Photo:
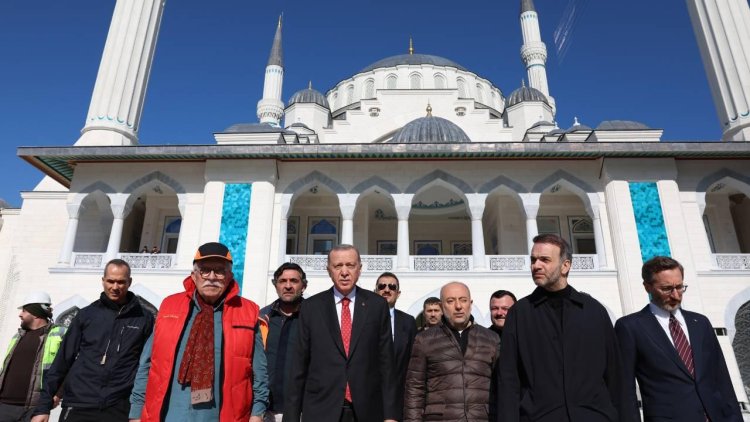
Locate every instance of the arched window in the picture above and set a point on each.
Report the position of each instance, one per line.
(461, 88)
(66, 317)
(415, 81)
(390, 82)
(479, 97)
(369, 89)
(349, 94)
(439, 81)
(494, 99)
(336, 101)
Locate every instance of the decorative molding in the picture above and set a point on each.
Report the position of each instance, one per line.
(435, 176)
(312, 177)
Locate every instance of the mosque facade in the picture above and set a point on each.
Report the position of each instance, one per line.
(431, 170)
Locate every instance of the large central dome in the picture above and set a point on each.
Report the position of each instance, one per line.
(413, 59)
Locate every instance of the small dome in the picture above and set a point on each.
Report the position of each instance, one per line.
(525, 93)
(428, 130)
(412, 59)
(541, 123)
(307, 96)
(621, 125)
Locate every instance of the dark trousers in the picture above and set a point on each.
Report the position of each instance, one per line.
(118, 412)
(12, 413)
(347, 413)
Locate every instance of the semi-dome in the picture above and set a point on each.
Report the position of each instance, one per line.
(412, 59)
(307, 96)
(430, 130)
(525, 93)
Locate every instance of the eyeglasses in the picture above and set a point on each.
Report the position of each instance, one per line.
(392, 287)
(219, 273)
(669, 290)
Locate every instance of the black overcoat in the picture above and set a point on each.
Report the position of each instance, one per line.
(553, 373)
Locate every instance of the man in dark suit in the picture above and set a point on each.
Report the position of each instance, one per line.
(674, 354)
(403, 328)
(343, 360)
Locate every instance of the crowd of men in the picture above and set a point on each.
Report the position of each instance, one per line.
(347, 354)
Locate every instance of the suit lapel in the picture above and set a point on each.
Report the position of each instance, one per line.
(696, 341)
(332, 318)
(360, 318)
(656, 333)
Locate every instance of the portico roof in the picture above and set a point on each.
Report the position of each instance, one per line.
(59, 162)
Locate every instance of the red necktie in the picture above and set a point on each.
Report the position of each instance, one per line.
(681, 344)
(346, 334)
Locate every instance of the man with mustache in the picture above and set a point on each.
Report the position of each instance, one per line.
(500, 303)
(431, 313)
(674, 354)
(559, 360)
(403, 329)
(205, 360)
(282, 317)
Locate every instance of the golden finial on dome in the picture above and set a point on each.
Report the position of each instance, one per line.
(429, 109)
(411, 46)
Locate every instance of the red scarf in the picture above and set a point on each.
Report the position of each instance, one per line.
(197, 366)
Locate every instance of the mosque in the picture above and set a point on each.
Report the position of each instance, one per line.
(431, 170)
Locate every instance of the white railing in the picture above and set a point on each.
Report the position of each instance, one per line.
(585, 263)
(441, 263)
(732, 261)
(507, 262)
(425, 263)
(136, 260)
(370, 263)
(87, 260)
(149, 261)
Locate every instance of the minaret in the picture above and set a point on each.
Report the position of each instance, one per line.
(533, 51)
(722, 28)
(117, 102)
(271, 108)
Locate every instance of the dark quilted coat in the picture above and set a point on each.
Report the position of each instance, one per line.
(442, 384)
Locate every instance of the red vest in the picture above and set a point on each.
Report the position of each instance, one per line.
(238, 323)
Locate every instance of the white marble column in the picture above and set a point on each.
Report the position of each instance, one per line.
(531, 208)
(476, 210)
(347, 205)
(596, 222)
(117, 101)
(74, 211)
(402, 204)
(286, 207)
(120, 210)
(259, 229)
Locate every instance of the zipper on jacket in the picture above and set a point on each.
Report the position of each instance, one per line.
(109, 340)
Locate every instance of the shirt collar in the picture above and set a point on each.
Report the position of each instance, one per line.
(337, 295)
(663, 313)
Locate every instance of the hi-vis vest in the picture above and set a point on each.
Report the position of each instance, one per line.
(43, 361)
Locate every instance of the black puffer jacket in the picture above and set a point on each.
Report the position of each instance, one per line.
(442, 384)
(98, 358)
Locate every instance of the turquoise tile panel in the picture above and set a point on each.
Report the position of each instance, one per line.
(649, 220)
(235, 213)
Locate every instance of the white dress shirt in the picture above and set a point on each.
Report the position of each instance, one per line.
(662, 317)
(393, 322)
(337, 296)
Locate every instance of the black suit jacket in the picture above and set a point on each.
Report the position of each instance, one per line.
(404, 331)
(320, 368)
(668, 391)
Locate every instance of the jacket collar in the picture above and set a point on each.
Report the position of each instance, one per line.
(131, 302)
(538, 296)
(276, 308)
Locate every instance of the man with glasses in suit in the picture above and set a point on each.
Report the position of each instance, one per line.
(674, 355)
